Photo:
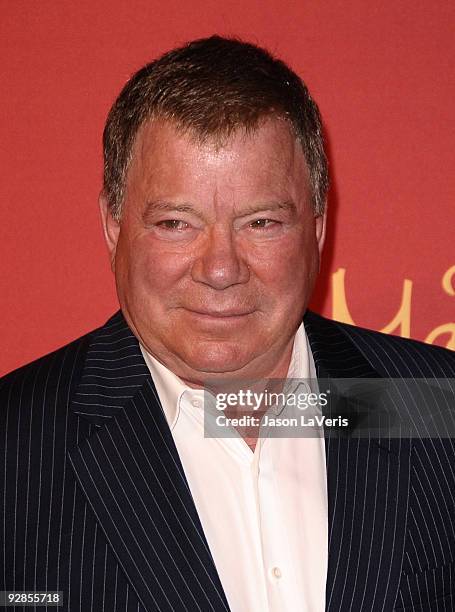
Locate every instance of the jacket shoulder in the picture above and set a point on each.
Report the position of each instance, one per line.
(390, 354)
(59, 368)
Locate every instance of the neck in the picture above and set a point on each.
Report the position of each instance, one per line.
(214, 381)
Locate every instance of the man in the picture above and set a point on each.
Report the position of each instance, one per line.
(213, 211)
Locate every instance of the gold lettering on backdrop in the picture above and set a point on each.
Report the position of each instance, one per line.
(447, 279)
(401, 322)
(447, 328)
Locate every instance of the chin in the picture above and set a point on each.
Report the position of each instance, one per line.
(216, 358)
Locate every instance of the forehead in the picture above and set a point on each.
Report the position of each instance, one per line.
(165, 156)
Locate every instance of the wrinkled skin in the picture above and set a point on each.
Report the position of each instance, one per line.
(217, 249)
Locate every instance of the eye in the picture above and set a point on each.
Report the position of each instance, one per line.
(262, 223)
(173, 224)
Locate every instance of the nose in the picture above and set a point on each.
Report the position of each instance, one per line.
(219, 263)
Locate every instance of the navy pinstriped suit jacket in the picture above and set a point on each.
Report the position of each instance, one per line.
(95, 502)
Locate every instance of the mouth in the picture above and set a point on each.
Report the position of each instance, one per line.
(220, 314)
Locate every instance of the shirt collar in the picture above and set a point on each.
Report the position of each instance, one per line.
(170, 387)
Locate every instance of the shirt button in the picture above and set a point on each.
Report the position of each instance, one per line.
(276, 572)
(196, 403)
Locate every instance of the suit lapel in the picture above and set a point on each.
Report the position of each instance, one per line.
(131, 474)
(368, 490)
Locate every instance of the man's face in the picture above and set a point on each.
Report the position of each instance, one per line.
(217, 249)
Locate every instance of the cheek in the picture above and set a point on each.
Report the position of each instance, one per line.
(144, 267)
(288, 265)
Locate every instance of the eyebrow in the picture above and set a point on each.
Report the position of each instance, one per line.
(162, 205)
(288, 205)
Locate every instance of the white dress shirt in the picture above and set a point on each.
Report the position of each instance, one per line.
(264, 514)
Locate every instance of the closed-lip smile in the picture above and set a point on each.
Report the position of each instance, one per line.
(221, 313)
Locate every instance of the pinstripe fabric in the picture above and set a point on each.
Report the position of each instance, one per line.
(96, 503)
(113, 526)
(391, 503)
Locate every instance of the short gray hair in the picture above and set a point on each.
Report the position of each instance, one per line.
(212, 87)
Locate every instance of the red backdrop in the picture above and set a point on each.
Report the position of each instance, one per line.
(383, 75)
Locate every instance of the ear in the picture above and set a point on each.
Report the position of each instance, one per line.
(320, 226)
(111, 228)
